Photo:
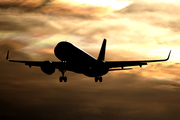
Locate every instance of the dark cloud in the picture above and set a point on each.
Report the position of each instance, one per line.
(30, 94)
(27, 5)
(11, 26)
(53, 8)
(27, 93)
(51, 18)
(26, 23)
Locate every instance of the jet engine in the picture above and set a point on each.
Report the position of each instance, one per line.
(48, 67)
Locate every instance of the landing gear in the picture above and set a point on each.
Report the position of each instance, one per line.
(98, 78)
(63, 77)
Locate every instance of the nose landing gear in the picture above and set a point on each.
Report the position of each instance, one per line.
(63, 77)
(98, 78)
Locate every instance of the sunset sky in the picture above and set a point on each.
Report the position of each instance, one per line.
(134, 29)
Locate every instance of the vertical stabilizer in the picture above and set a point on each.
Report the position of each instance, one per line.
(102, 51)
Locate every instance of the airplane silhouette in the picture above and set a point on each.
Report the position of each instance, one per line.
(76, 60)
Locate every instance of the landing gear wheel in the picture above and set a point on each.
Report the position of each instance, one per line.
(100, 79)
(96, 79)
(65, 79)
(60, 79)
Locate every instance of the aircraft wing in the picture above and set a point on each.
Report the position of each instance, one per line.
(113, 64)
(36, 63)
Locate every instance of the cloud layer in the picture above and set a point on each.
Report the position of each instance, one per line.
(143, 30)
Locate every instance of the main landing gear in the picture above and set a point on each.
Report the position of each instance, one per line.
(63, 77)
(98, 78)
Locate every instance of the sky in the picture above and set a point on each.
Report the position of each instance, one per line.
(134, 29)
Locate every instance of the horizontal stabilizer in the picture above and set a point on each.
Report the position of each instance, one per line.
(120, 69)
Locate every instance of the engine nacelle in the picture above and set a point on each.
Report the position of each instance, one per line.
(48, 67)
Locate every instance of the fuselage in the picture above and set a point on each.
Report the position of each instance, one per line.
(79, 61)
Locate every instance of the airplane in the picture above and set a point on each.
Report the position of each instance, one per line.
(76, 60)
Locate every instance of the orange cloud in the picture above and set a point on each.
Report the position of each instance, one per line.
(56, 8)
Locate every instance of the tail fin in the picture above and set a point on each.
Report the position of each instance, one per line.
(102, 51)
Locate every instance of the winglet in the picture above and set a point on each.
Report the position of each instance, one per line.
(102, 51)
(169, 55)
(7, 57)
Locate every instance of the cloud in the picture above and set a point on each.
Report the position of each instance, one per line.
(31, 33)
(34, 92)
(26, 23)
(55, 7)
(129, 98)
(11, 26)
(158, 13)
(24, 4)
